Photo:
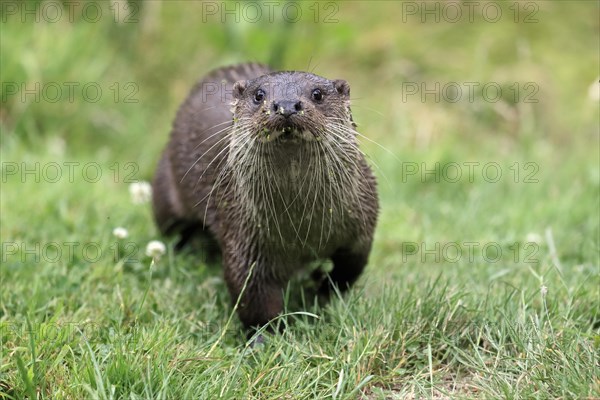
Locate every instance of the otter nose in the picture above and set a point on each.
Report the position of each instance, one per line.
(287, 107)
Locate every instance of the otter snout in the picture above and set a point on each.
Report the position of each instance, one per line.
(287, 107)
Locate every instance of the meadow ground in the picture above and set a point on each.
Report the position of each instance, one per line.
(484, 277)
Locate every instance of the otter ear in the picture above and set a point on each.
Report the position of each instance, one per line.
(342, 87)
(238, 89)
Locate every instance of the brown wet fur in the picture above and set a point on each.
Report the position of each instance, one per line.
(264, 167)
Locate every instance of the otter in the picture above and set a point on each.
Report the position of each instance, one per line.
(265, 167)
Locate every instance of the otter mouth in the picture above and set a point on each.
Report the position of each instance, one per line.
(287, 133)
(288, 129)
(293, 136)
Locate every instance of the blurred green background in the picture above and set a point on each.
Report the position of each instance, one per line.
(376, 46)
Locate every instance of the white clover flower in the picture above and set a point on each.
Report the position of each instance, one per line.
(533, 238)
(543, 290)
(120, 232)
(594, 90)
(141, 192)
(155, 249)
(57, 145)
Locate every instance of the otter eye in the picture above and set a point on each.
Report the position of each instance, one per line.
(317, 95)
(259, 96)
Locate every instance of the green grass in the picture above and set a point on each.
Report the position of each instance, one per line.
(519, 320)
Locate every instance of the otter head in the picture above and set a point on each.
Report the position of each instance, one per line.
(291, 107)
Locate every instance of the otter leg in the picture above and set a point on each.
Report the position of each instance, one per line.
(260, 304)
(347, 267)
(262, 298)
